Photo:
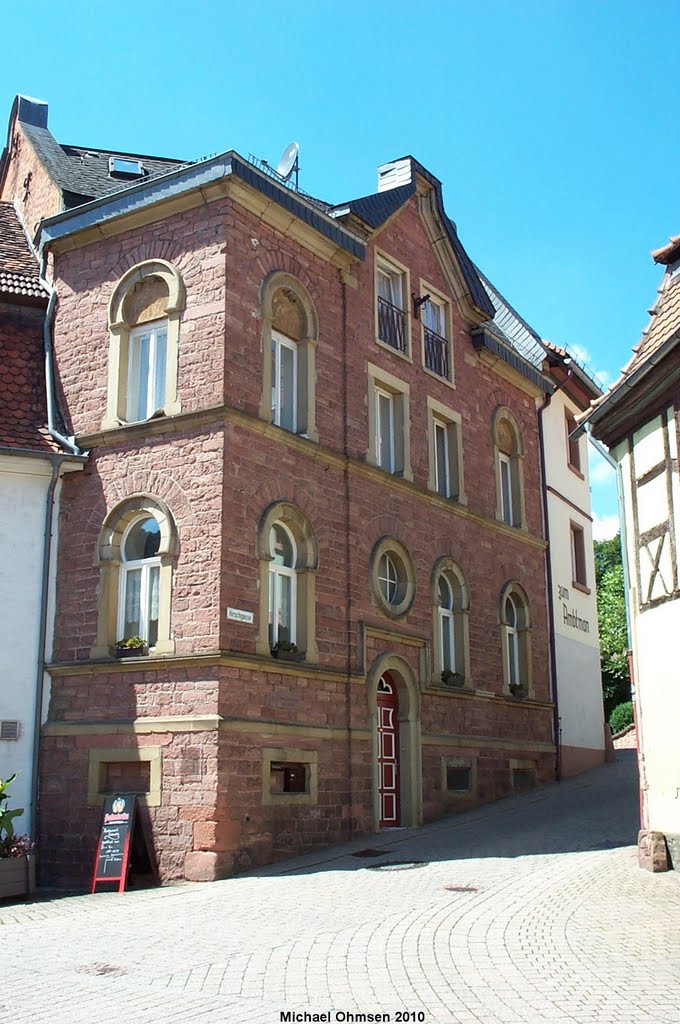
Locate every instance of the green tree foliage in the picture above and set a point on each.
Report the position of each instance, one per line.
(621, 716)
(611, 611)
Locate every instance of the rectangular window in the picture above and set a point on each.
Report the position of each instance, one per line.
(573, 444)
(384, 433)
(523, 779)
(437, 357)
(390, 298)
(289, 777)
(505, 469)
(442, 459)
(458, 779)
(146, 372)
(578, 556)
(125, 777)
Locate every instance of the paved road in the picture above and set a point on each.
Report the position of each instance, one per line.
(528, 911)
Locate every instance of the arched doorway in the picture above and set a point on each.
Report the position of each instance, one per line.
(393, 698)
(388, 753)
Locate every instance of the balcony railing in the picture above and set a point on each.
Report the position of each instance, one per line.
(437, 354)
(391, 325)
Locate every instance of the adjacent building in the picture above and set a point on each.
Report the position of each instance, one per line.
(314, 491)
(638, 419)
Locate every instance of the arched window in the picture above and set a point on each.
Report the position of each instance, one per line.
(515, 622)
(140, 578)
(144, 315)
(508, 455)
(290, 331)
(136, 552)
(392, 577)
(282, 586)
(288, 555)
(451, 606)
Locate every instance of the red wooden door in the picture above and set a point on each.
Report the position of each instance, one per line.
(388, 753)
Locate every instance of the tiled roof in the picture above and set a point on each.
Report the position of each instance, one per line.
(375, 209)
(85, 172)
(19, 275)
(513, 327)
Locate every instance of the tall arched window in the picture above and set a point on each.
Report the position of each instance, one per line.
(144, 315)
(508, 455)
(282, 586)
(515, 619)
(288, 555)
(451, 605)
(136, 552)
(289, 337)
(138, 602)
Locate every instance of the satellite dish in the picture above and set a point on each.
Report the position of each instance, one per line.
(288, 161)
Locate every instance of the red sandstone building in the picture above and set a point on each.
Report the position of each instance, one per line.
(307, 429)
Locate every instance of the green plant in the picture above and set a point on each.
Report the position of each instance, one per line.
(451, 678)
(134, 642)
(285, 645)
(7, 819)
(621, 717)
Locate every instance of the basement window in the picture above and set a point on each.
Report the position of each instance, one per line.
(289, 777)
(457, 779)
(123, 168)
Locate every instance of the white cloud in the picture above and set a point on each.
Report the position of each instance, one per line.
(605, 527)
(599, 470)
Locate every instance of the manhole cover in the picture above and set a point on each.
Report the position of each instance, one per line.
(462, 888)
(101, 969)
(370, 853)
(397, 865)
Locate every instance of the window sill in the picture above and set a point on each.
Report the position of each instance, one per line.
(394, 351)
(576, 471)
(581, 587)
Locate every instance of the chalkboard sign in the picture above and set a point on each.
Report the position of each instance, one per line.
(113, 847)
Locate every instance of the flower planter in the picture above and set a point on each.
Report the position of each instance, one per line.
(519, 693)
(131, 652)
(289, 655)
(17, 876)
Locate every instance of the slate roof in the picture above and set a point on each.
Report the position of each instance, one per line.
(19, 274)
(513, 327)
(84, 173)
(23, 408)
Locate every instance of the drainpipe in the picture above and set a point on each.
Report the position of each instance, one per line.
(549, 582)
(637, 711)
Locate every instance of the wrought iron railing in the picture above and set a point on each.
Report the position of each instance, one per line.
(437, 354)
(391, 325)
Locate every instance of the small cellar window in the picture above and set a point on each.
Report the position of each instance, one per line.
(289, 777)
(523, 779)
(457, 779)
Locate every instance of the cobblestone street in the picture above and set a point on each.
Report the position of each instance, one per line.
(530, 910)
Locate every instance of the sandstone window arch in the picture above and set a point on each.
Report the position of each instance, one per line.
(135, 553)
(144, 317)
(508, 462)
(289, 338)
(450, 608)
(285, 526)
(514, 614)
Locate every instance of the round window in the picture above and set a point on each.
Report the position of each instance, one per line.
(143, 540)
(392, 577)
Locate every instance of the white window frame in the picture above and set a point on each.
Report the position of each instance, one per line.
(396, 278)
(280, 341)
(126, 567)
(389, 463)
(152, 329)
(441, 429)
(507, 510)
(390, 577)
(276, 572)
(382, 382)
(447, 658)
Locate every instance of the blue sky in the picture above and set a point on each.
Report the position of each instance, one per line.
(551, 124)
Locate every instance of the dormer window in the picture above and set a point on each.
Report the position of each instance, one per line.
(120, 167)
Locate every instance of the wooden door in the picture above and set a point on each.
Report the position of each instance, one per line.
(388, 753)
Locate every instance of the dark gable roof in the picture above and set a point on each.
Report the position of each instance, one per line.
(19, 273)
(376, 209)
(84, 173)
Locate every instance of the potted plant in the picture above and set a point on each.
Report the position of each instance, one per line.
(451, 678)
(17, 861)
(286, 650)
(133, 647)
(519, 690)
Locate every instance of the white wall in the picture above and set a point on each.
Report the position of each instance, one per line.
(577, 648)
(23, 491)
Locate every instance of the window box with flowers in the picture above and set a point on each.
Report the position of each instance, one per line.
(284, 650)
(17, 859)
(134, 647)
